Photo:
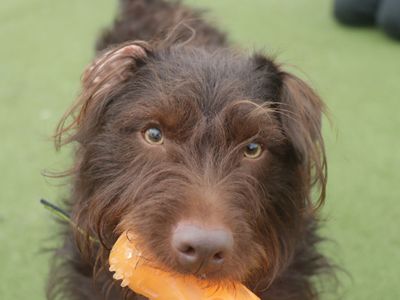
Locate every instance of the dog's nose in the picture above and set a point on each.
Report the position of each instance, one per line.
(201, 249)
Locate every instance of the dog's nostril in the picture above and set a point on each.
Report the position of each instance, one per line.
(218, 257)
(188, 250)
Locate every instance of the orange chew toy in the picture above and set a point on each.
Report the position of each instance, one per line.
(125, 260)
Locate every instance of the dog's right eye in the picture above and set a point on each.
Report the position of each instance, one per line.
(153, 136)
(253, 150)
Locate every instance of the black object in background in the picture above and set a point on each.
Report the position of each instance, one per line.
(383, 13)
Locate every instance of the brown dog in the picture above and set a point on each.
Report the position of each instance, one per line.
(207, 154)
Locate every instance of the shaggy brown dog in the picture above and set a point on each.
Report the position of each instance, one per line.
(207, 154)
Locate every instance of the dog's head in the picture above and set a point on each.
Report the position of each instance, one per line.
(209, 157)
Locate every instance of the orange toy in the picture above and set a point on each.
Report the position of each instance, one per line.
(125, 261)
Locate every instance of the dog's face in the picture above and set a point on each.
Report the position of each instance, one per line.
(208, 158)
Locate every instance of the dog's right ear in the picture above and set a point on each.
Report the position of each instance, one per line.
(101, 80)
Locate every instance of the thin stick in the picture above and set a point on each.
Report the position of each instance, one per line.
(62, 214)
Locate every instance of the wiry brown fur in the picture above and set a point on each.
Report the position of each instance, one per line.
(210, 101)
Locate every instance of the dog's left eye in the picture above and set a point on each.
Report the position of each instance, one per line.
(153, 136)
(252, 150)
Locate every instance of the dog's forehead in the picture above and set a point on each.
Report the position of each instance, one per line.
(184, 88)
(211, 79)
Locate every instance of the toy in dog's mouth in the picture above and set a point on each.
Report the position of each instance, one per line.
(127, 263)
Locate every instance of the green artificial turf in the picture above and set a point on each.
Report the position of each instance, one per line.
(45, 45)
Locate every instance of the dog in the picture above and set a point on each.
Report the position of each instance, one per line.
(213, 157)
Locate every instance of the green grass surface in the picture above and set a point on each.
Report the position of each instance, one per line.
(45, 45)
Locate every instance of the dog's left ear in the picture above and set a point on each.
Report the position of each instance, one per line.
(300, 110)
(298, 107)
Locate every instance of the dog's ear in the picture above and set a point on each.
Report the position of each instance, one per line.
(298, 107)
(101, 80)
(300, 110)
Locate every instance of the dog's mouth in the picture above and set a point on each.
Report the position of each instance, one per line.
(190, 247)
(202, 270)
(128, 265)
(202, 261)
(128, 255)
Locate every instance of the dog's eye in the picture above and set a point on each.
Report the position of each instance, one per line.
(153, 136)
(252, 150)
